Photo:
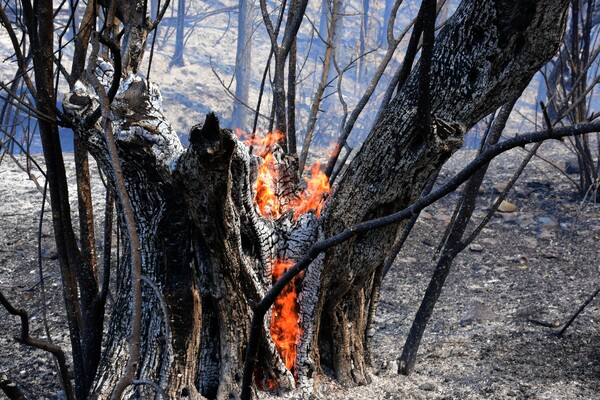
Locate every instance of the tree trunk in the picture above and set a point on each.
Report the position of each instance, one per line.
(179, 33)
(208, 253)
(485, 55)
(240, 113)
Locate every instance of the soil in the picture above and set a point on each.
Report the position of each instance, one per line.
(538, 263)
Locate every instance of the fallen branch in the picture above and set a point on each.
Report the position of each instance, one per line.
(579, 310)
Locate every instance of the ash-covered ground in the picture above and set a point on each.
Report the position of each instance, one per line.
(539, 263)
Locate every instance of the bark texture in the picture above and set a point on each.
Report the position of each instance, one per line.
(207, 251)
(484, 56)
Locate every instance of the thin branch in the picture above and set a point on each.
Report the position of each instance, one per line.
(576, 314)
(318, 97)
(130, 225)
(273, 33)
(232, 94)
(347, 129)
(160, 15)
(41, 344)
(34, 112)
(106, 259)
(17, 48)
(389, 260)
(24, 150)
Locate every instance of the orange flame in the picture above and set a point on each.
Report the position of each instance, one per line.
(317, 186)
(285, 329)
(263, 144)
(265, 186)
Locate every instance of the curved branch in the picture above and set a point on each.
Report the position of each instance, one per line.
(132, 233)
(56, 351)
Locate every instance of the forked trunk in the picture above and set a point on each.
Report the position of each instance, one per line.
(209, 250)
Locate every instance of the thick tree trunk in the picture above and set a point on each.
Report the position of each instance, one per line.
(485, 55)
(208, 253)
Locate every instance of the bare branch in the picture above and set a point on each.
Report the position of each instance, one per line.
(316, 103)
(41, 344)
(363, 100)
(129, 217)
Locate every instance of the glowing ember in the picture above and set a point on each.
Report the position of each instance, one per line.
(284, 320)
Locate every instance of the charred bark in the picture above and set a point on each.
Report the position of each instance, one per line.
(485, 55)
(207, 252)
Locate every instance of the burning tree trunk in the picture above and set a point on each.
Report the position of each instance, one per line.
(217, 225)
(208, 252)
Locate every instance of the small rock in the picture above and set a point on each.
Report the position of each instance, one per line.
(531, 242)
(425, 215)
(510, 219)
(429, 387)
(499, 187)
(548, 221)
(442, 218)
(438, 326)
(507, 207)
(476, 247)
(489, 241)
(547, 234)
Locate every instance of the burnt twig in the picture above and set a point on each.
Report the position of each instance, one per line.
(41, 344)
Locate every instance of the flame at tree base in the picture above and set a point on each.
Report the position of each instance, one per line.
(285, 329)
(273, 201)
